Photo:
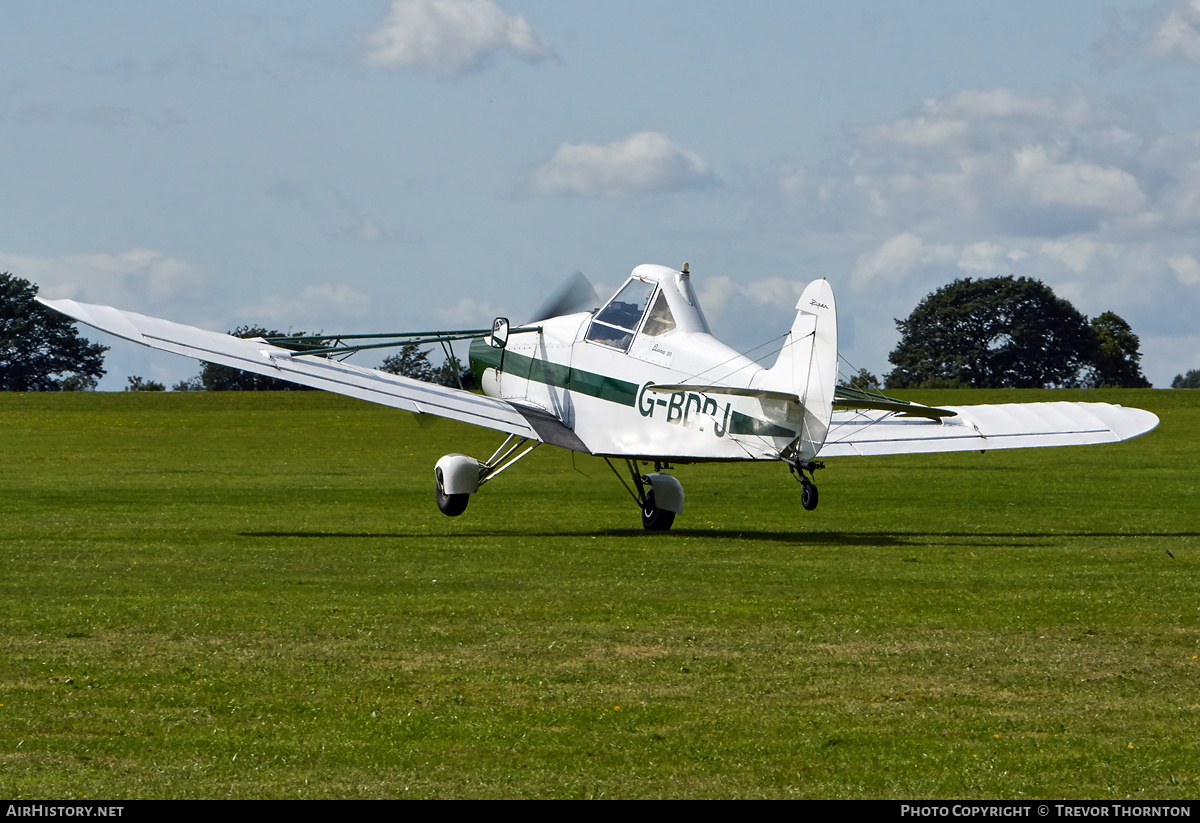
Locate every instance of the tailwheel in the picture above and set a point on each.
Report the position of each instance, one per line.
(808, 489)
(808, 496)
(655, 519)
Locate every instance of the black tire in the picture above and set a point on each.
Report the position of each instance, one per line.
(451, 505)
(655, 519)
(808, 496)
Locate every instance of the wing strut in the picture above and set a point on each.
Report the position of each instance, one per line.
(334, 344)
(503, 458)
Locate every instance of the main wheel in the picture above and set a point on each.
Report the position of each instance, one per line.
(655, 519)
(808, 496)
(451, 505)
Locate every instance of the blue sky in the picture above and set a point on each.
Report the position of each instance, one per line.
(379, 166)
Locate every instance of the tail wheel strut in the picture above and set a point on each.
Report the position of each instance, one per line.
(808, 489)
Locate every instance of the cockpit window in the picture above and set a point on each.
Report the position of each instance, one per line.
(615, 324)
(660, 320)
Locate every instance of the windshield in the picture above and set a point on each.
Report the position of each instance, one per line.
(615, 324)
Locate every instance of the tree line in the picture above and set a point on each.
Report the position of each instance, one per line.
(409, 361)
(42, 350)
(989, 333)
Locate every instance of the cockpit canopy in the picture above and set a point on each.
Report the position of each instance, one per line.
(655, 301)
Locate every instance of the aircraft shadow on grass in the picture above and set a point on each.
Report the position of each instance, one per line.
(881, 540)
(836, 538)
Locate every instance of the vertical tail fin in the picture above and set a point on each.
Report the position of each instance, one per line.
(807, 365)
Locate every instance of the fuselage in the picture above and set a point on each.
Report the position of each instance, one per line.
(596, 372)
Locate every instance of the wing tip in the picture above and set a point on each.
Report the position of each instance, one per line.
(104, 318)
(1130, 422)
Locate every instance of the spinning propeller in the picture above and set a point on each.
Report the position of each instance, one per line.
(574, 295)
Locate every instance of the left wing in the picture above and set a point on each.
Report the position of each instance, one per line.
(981, 428)
(258, 356)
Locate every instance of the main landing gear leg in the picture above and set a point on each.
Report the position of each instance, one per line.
(660, 496)
(808, 489)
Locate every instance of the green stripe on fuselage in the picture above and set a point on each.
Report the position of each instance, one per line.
(551, 374)
(604, 388)
(483, 356)
(745, 424)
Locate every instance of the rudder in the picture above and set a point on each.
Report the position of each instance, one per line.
(807, 365)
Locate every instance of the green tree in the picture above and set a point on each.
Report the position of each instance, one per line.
(137, 383)
(214, 377)
(409, 361)
(412, 362)
(1116, 354)
(1191, 380)
(862, 380)
(40, 349)
(78, 382)
(191, 384)
(452, 373)
(992, 333)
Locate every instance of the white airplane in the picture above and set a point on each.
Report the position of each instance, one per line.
(642, 379)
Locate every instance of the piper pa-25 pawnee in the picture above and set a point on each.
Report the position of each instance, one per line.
(642, 380)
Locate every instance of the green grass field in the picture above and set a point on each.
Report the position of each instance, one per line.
(224, 595)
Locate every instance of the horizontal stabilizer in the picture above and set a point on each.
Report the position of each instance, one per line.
(844, 398)
(897, 407)
(762, 394)
(848, 397)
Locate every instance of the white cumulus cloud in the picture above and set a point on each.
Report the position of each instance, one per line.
(980, 257)
(645, 163)
(452, 37)
(132, 279)
(468, 312)
(1166, 31)
(1178, 35)
(1075, 183)
(311, 304)
(896, 257)
(717, 291)
(1075, 253)
(998, 161)
(1088, 194)
(1186, 269)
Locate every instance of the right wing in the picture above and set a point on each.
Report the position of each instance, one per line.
(260, 357)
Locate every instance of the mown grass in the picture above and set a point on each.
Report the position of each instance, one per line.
(221, 595)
